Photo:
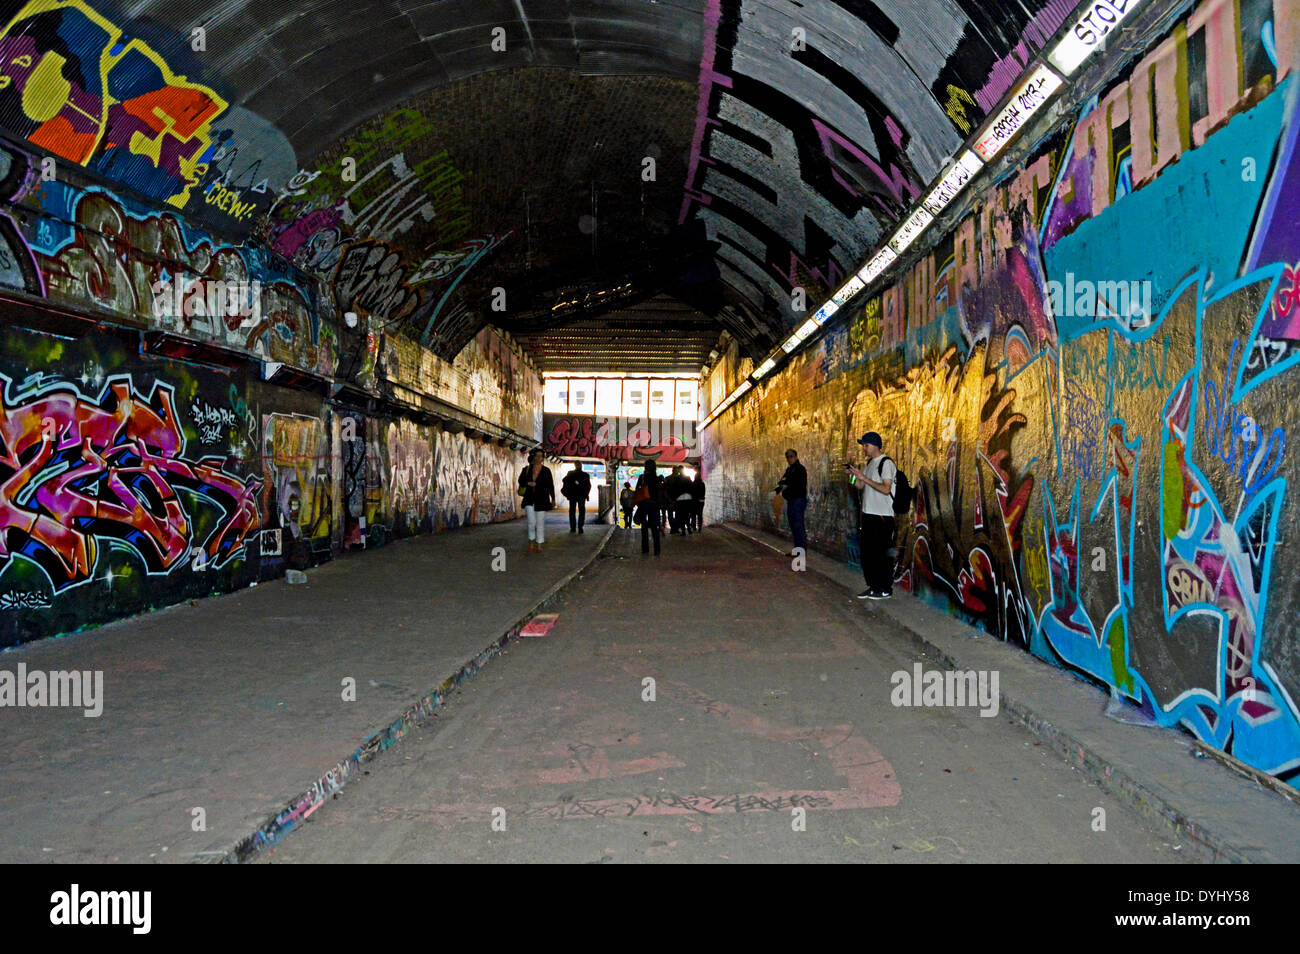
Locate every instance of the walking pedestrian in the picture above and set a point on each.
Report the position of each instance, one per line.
(876, 523)
(625, 504)
(648, 512)
(684, 502)
(794, 488)
(576, 488)
(697, 501)
(537, 487)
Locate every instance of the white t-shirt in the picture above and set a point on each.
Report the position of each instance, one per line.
(873, 501)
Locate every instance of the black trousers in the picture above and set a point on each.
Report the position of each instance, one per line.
(577, 513)
(875, 537)
(697, 514)
(627, 517)
(683, 511)
(651, 525)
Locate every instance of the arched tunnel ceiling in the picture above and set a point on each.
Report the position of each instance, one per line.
(449, 163)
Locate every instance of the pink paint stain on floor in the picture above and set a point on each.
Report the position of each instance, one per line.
(870, 781)
(590, 767)
(539, 625)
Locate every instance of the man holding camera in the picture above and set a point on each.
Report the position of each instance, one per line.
(876, 524)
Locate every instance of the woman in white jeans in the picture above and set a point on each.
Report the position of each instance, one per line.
(538, 490)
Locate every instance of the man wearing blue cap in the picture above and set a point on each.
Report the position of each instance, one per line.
(876, 524)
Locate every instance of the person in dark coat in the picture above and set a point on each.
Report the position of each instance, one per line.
(537, 487)
(794, 488)
(697, 499)
(576, 488)
(661, 497)
(648, 511)
(625, 504)
(673, 489)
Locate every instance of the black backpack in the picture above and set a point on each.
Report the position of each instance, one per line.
(904, 493)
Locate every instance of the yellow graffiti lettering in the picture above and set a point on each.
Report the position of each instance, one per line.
(179, 110)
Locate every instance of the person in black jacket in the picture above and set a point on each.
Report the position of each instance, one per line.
(697, 498)
(625, 504)
(648, 512)
(537, 487)
(794, 488)
(677, 486)
(576, 487)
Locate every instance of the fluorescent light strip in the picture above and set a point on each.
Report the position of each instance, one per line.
(847, 291)
(1031, 95)
(909, 231)
(1088, 33)
(954, 180)
(877, 264)
(1084, 39)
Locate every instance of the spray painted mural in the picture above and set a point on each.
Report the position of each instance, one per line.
(819, 122)
(402, 478)
(297, 501)
(93, 251)
(77, 86)
(389, 232)
(124, 484)
(128, 483)
(1092, 381)
(619, 438)
(81, 87)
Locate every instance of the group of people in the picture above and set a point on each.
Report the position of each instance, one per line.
(877, 480)
(537, 487)
(675, 500)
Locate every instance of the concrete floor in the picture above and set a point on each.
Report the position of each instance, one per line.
(772, 694)
(234, 705)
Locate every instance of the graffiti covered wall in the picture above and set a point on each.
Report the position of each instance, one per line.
(401, 478)
(130, 482)
(1091, 380)
(81, 246)
(125, 484)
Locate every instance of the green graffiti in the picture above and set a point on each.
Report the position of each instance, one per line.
(1173, 489)
(1118, 646)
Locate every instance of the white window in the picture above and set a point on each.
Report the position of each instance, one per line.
(634, 398)
(555, 396)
